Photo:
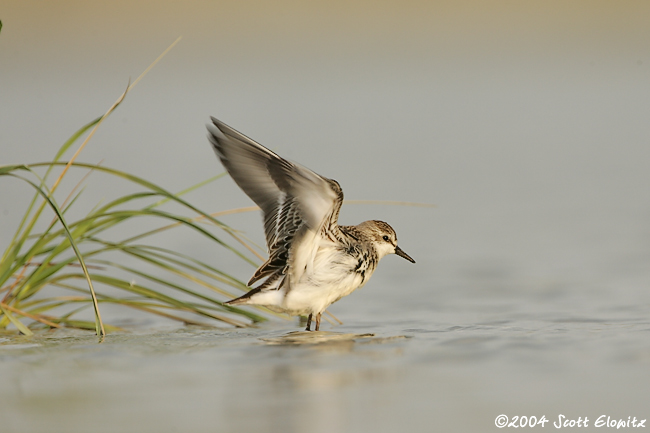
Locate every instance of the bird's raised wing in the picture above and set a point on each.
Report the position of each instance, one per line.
(293, 199)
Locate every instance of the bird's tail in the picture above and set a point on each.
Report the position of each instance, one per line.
(271, 287)
(244, 299)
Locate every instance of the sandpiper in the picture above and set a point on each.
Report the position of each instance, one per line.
(313, 262)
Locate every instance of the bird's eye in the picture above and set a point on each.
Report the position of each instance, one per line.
(385, 238)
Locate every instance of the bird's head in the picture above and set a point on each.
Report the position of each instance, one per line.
(383, 238)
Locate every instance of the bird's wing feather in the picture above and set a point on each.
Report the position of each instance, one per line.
(293, 198)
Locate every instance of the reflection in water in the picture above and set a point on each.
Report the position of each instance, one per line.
(306, 381)
(315, 337)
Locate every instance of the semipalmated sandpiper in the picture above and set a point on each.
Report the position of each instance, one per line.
(313, 262)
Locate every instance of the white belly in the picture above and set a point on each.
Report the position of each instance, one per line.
(330, 278)
(327, 275)
(307, 298)
(326, 279)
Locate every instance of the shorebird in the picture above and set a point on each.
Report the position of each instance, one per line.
(313, 261)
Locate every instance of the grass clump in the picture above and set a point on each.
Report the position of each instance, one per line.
(76, 256)
(54, 267)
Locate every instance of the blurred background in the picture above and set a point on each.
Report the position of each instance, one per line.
(524, 122)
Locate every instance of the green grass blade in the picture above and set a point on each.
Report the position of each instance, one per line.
(99, 326)
(34, 281)
(181, 289)
(174, 258)
(17, 323)
(12, 248)
(187, 190)
(142, 182)
(153, 294)
(70, 141)
(123, 214)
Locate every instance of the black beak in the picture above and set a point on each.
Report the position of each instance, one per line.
(402, 254)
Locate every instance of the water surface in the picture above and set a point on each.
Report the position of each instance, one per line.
(454, 368)
(526, 123)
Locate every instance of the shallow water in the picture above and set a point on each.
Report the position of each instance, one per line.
(451, 370)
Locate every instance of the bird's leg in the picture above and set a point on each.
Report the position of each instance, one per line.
(308, 323)
(317, 321)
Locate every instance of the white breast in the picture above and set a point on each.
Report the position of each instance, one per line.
(330, 277)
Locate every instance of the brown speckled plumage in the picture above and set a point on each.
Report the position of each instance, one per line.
(313, 262)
